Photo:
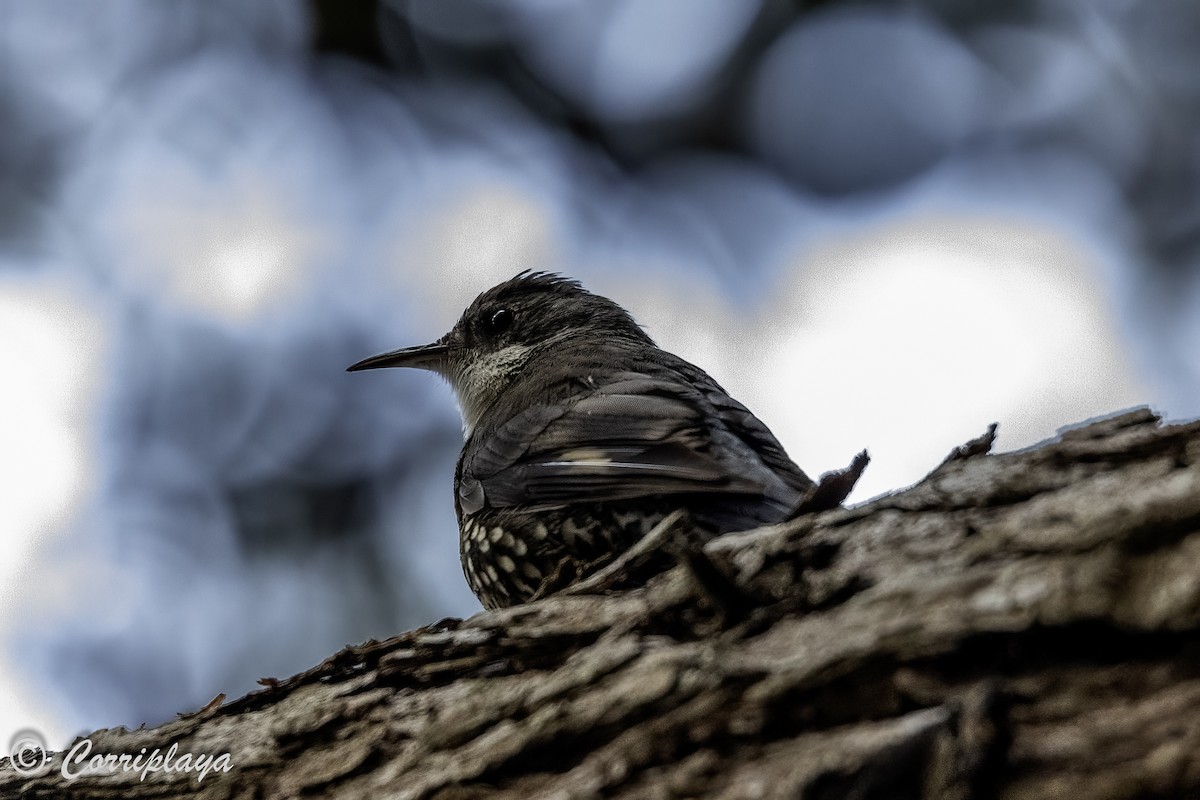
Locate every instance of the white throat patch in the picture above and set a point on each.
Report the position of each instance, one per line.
(479, 384)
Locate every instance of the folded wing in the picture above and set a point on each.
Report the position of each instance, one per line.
(636, 437)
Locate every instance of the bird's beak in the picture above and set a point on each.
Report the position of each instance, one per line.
(427, 356)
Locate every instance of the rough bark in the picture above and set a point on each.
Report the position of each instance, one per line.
(1024, 625)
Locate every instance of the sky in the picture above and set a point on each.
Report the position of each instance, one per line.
(878, 227)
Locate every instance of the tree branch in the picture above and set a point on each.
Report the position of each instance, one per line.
(1023, 625)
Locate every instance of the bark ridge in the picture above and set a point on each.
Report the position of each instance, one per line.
(1023, 625)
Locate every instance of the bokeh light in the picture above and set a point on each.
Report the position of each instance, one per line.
(53, 347)
(879, 228)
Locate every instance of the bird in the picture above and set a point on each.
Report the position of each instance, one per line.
(581, 434)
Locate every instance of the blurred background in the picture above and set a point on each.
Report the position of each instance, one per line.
(879, 225)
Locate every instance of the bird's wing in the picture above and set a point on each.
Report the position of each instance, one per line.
(633, 438)
(750, 429)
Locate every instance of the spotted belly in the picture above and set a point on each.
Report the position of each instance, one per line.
(510, 556)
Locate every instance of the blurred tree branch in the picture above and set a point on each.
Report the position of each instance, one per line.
(1017, 626)
(351, 29)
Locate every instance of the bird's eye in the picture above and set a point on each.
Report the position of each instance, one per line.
(498, 321)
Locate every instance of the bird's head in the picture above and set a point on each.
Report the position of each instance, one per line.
(500, 333)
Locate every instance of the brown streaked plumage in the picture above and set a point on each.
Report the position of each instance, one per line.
(581, 434)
